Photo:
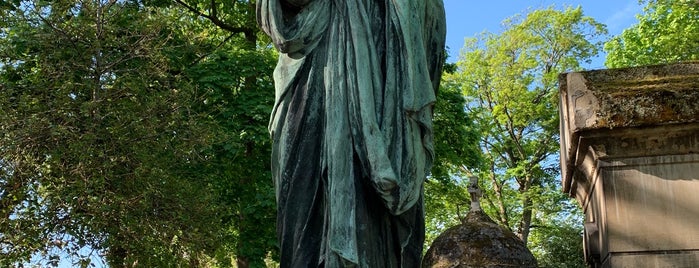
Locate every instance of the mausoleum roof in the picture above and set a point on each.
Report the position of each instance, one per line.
(478, 242)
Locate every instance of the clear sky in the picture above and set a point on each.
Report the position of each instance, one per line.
(467, 18)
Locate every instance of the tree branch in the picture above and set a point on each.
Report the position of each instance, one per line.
(215, 20)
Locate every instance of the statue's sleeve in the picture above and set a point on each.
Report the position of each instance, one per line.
(295, 30)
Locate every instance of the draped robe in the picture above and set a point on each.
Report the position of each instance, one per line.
(352, 127)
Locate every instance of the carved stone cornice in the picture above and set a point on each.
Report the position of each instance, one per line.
(597, 149)
(641, 111)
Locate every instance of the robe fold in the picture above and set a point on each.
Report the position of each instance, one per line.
(352, 127)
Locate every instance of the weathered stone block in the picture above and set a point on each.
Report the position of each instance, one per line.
(630, 156)
(478, 243)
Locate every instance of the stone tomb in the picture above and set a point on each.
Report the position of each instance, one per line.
(630, 156)
(478, 242)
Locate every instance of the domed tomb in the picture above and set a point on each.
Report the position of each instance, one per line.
(478, 242)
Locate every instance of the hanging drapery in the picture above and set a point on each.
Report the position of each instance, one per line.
(351, 127)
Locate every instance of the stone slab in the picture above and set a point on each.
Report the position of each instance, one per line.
(624, 98)
(662, 259)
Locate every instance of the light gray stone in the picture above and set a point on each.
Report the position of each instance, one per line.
(630, 156)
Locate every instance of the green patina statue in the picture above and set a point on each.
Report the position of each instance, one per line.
(352, 127)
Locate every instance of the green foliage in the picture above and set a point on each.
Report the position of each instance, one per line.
(137, 132)
(237, 16)
(235, 73)
(239, 158)
(446, 202)
(98, 139)
(455, 134)
(456, 149)
(667, 32)
(557, 242)
(509, 81)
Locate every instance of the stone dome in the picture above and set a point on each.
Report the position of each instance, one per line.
(478, 242)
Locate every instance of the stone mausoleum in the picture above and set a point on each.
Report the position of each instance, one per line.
(630, 156)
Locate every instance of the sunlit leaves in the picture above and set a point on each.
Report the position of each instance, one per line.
(667, 32)
(98, 139)
(509, 81)
(455, 134)
(456, 147)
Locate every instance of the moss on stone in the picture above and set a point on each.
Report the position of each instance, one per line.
(478, 242)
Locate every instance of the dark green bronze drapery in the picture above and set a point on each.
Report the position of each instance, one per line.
(352, 127)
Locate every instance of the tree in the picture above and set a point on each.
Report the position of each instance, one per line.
(238, 159)
(510, 81)
(236, 75)
(456, 149)
(557, 241)
(234, 17)
(667, 32)
(455, 136)
(98, 138)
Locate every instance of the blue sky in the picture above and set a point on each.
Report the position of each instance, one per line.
(467, 18)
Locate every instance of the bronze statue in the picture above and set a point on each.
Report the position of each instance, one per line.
(352, 127)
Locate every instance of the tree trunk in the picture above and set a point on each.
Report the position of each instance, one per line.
(116, 256)
(525, 223)
(502, 210)
(242, 262)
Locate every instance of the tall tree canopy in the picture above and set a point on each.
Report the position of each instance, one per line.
(667, 32)
(98, 137)
(235, 74)
(510, 84)
(135, 131)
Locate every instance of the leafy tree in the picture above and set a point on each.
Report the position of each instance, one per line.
(456, 149)
(98, 138)
(234, 17)
(236, 75)
(455, 134)
(557, 242)
(667, 32)
(510, 84)
(181, 103)
(239, 158)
